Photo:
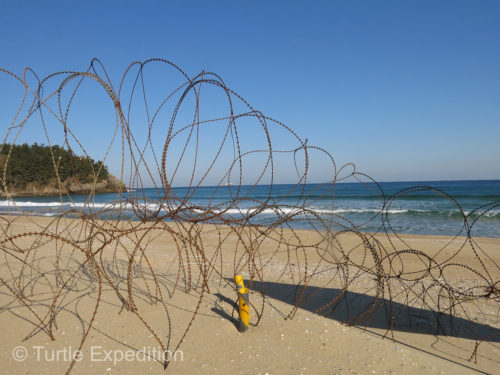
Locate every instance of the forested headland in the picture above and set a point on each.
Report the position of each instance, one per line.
(42, 170)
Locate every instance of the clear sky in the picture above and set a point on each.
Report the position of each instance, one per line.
(407, 90)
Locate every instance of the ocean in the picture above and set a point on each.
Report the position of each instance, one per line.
(447, 208)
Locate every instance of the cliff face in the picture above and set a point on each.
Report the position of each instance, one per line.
(109, 185)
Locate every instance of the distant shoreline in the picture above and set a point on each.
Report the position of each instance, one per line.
(110, 185)
(409, 236)
(448, 208)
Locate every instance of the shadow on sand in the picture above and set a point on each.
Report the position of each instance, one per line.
(367, 311)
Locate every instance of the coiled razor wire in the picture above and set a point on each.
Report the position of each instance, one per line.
(98, 250)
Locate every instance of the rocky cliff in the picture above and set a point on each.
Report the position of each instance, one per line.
(109, 185)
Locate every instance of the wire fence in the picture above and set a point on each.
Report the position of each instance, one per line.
(334, 268)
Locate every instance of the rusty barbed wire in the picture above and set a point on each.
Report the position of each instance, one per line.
(336, 270)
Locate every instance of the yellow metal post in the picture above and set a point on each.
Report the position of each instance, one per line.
(243, 302)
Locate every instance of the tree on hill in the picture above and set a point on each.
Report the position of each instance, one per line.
(25, 164)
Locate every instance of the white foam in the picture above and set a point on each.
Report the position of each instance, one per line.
(155, 207)
(275, 210)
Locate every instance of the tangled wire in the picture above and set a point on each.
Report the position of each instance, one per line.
(145, 246)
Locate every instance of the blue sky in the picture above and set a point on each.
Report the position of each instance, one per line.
(407, 90)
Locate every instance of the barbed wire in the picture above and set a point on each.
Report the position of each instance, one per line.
(336, 270)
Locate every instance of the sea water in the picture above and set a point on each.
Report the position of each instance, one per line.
(424, 207)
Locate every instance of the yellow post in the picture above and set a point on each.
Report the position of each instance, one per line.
(243, 301)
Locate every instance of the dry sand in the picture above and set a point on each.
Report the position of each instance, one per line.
(307, 344)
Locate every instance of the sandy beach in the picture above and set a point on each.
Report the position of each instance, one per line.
(150, 288)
